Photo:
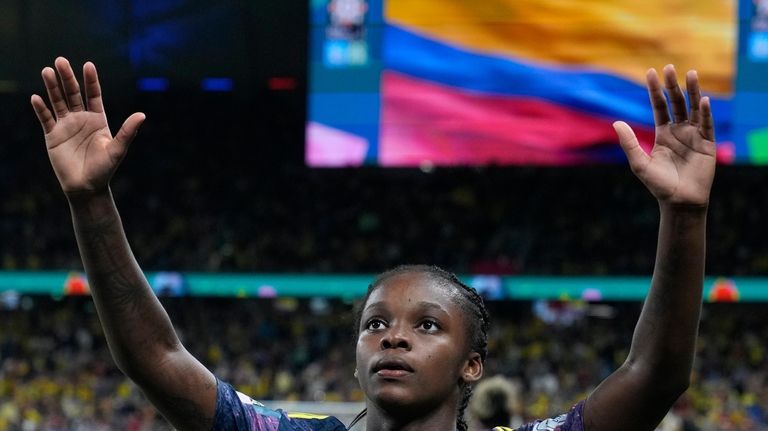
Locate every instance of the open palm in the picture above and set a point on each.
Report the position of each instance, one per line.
(681, 165)
(82, 150)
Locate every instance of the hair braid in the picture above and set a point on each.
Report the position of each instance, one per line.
(461, 424)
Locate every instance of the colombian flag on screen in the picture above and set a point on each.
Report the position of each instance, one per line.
(540, 81)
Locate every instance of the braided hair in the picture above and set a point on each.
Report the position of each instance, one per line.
(471, 303)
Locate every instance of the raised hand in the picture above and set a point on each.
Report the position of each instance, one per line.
(82, 150)
(681, 165)
(141, 338)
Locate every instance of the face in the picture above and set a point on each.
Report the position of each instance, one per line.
(412, 347)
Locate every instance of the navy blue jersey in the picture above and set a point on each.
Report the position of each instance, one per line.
(238, 412)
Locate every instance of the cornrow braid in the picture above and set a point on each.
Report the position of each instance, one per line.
(466, 394)
(477, 328)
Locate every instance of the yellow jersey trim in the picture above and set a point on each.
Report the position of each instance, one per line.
(305, 416)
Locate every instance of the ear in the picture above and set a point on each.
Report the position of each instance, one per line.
(473, 368)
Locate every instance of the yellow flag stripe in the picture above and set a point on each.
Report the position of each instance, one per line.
(624, 37)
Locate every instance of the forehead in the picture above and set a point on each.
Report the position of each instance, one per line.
(412, 288)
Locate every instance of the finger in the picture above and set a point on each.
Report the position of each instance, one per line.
(658, 101)
(70, 85)
(636, 156)
(707, 127)
(54, 92)
(694, 95)
(92, 88)
(676, 97)
(127, 132)
(43, 113)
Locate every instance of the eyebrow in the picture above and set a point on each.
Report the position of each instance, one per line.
(379, 304)
(421, 304)
(431, 306)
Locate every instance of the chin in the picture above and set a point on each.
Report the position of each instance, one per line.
(393, 396)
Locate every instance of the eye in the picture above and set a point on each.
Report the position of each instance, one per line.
(375, 324)
(428, 325)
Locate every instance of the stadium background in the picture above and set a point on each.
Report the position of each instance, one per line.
(216, 184)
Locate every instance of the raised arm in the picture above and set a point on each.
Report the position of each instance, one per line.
(678, 171)
(84, 156)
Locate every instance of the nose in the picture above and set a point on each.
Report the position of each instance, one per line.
(395, 338)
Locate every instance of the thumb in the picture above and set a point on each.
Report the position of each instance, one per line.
(128, 131)
(635, 154)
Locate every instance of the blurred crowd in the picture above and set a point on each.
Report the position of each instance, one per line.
(56, 372)
(471, 221)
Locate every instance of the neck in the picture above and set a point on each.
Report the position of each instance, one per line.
(441, 418)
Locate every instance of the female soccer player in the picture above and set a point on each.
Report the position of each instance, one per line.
(422, 333)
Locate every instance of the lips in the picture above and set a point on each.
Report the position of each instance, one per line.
(392, 367)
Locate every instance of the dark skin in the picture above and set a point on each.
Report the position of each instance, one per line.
(84, 155)
(678, 171)
(413, 353)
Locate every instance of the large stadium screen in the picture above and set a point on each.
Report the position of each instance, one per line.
(402, 83)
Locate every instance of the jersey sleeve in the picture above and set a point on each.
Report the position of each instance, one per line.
(238, 412)
(571, 421)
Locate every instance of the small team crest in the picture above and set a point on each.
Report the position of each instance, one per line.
(552, 424)
(245, 399)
